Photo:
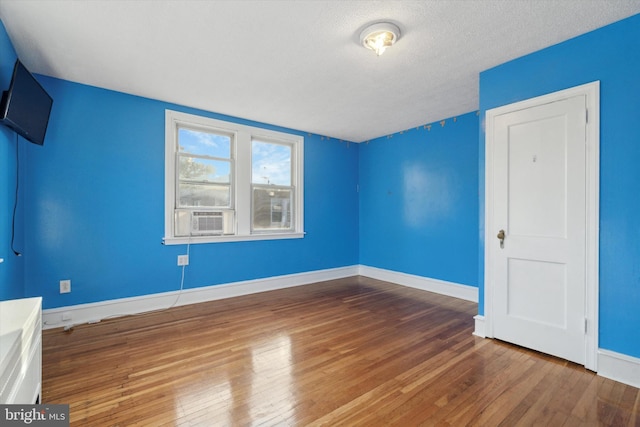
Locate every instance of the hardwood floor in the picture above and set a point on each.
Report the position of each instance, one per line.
(347, 352)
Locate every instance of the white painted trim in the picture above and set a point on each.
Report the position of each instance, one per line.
(456, 290)
(619, 367)
(95, 312)
(593, 225)
(240, 162)
(592, 93)
(479, 326)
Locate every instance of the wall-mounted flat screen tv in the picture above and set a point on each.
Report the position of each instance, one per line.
(26, 106)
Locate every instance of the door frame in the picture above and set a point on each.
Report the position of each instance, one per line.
(592, 93)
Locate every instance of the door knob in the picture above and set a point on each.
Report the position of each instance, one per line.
(501, 238)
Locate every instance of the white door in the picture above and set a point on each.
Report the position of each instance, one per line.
(537, 227)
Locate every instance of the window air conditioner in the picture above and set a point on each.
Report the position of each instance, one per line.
(203, 223)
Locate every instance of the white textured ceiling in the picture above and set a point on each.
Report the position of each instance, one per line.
(296, 64)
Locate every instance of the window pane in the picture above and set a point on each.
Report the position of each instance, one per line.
(204, 143)
(270, 163)
(196, 169)
(203, 195)
(271, 209)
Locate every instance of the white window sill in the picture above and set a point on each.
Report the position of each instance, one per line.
(223, 239)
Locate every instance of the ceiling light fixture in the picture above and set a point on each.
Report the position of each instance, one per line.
(379, 36)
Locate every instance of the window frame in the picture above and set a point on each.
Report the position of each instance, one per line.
(231, 160)
(274, 187)
(240, 181)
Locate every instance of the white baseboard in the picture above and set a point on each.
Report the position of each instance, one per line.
(479, 326)
(619, 367)
(95, 312)
(612, 365)
(465, 292)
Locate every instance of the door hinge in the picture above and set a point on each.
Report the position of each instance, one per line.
(586, 116)
(585, 325)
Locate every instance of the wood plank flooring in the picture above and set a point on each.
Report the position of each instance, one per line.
(350, 352)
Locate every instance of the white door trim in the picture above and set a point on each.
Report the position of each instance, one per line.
(592, 93)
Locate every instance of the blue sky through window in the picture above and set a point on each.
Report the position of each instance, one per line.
(270, 163)
(204, 143)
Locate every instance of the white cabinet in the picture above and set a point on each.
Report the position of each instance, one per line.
(20, 351)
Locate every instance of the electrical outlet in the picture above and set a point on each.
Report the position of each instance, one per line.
(183, 260)
(65, 286)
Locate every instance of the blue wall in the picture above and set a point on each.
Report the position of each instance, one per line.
(93, 194)
(95, 206)
(418, 199)
(611, 55)
(12, 269)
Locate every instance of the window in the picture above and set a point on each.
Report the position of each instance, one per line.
(226, 182)
(271, 186)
